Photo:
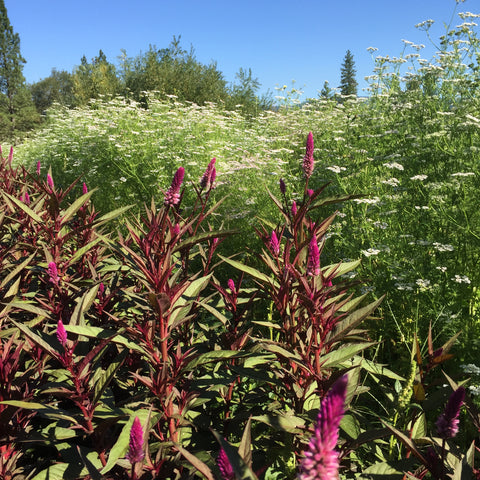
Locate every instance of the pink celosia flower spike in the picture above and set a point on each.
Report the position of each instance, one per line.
(231, 285)
(313, 263)
(172, 197)
(53, 273)
(50, 181)
(26, 198)
(61, 333)
(39, 166)
(321, 458)
(208, 177)
(84, 188)
(225, 466)
(274, 243)
(447, 423)
(10, 155)
(308, 159)
(294, 208)
(135, 445)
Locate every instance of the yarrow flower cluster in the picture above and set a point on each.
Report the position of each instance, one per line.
(321, 458)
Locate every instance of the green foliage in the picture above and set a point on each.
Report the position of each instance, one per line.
(348, 82)
(17, 112)
(56, 88)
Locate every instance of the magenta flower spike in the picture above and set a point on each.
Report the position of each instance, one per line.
(313, 263)
(447, 423)
(283, 187)
(231, 285)
(321, 458)
(294, 208)
(308, 159)
(50, 181)
(208, 177)
(26, 198)
(61, 333)
(225, 466)
(10, 155)
(53, 273)
(39, 166)
(274, 243)
(172, 197)
(135, 445)
(84, 188)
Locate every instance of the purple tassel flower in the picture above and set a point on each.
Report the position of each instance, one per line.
(308, 159)
(61, 333)
(283, 187)
(53, 273)
(225, 466)
(135, 445)
(321, 458)
(274, 243)
(50, 181)
(294, 208)
(206, 182)
(172, 197)
(447, 423)
(313, 263)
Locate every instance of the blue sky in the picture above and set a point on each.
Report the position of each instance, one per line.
(281, 40)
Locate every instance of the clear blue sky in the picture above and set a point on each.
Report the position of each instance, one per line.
(280, 40)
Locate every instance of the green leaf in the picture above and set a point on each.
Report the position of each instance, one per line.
(16, 270)
(345, 352)
(261, 277)
(54, 472)
(201, 237)
(103, 382)
(111, 215)
(82, 251)
(408, 442)
(245, 447)
(196, 462)
(182, 306)
(47, 410)
(75, 206)
(282, 422)
(213, 356)
(352, 320)
(340, 268)
(39, 341)
(82, 305)
(24, 207)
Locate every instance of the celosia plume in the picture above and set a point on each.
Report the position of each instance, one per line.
(321, 458)
(53, 273)
(225, 466)
(206, 182)
(294, 208)
(308, 159)
(10, 155)
(274, 243)
(61, 333)
(26, 198)
(135, 445)
(172, 197)
(84, 188)
(231, 285)
(447, 423)
(50, 181)
(313, 262)
(283, 187)
(39, 166)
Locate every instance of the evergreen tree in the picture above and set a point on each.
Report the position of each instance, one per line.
(17, 111)
(326, 91)
(56, 88)
(348, 83)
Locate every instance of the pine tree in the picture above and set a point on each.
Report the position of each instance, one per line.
(326, 91)
(17, 111)
(348, 83)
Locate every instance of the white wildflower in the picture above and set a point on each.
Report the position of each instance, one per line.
(423, 283)
(461, 279)
(392, 165)
(462, 174)
(442, 269)
(394, 182)
(336, 169)
(439, 247)
(419, 177)
(371, 251)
